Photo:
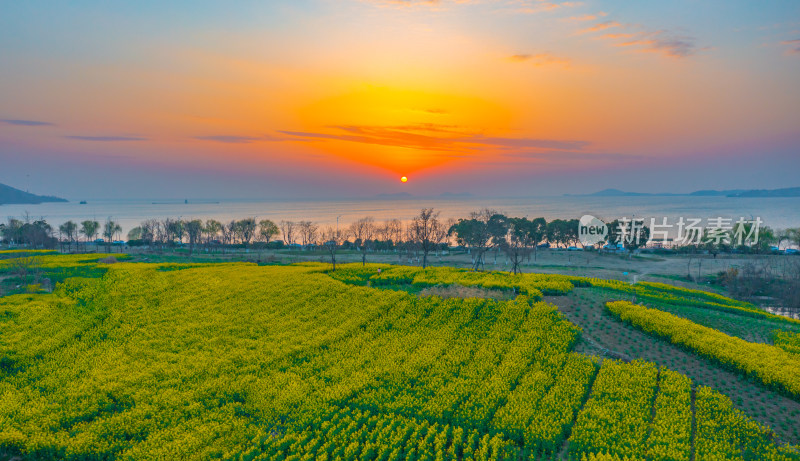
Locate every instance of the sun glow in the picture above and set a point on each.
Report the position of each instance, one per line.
(398, 129)
(404, 179)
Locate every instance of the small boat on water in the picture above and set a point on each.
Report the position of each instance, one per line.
(83, 202)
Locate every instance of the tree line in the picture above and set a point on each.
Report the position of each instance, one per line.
(482, 232)
(40, 234)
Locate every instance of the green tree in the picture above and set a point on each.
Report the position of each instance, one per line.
(12, 230)
(194, 230)
(538, 232)
(110, 229)
(90, 229)
(175, 230)
(135, 233)
(475, 234)
(516, 244)
(211, 231)
(630, 233)
(498, 228)
(556, 232)
(267, 230)
(69, 230)
(246, 229)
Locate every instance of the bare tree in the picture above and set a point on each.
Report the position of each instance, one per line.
(441, 236)
(390, 233)
(395, 230)
(288, 229)
(410, 246)
(363, 233)
(332, 240)
(175, 230)
(161, 234)
(308, 232)
(149, 232)
(793, 236)
(781, 236)
(211, 231)
(382, 232)
(426, 231)
(27, 268)
(229, 232)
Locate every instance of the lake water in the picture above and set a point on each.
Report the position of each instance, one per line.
(778, 213)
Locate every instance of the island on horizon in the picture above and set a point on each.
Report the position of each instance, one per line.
(765, 193)
(13, 196)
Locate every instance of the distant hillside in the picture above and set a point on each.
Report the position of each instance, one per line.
(397, 196)
(716, 193)
(786, 192)
(456, 195)
(620, 193)
(11, 196)
(408, 196)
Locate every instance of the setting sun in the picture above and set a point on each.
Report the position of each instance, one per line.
(404, 179)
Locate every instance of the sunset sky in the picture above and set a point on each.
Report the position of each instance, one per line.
(340, 98)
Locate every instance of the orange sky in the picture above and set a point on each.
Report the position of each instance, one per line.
(398, 88)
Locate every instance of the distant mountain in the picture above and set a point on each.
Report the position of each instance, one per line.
(716, 193)
(407, 196)
(619, 193)
(12, 196)
(395, 196)
(456, 195)
(785, 192)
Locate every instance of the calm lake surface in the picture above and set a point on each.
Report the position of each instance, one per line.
(778, 213)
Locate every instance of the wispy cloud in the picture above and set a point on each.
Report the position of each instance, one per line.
(634, 37)
(794, 46)
(107, 138)
(237, 139)
(437, 4)
(572, 155)
(537, 6)
(436, 111)
(433, 137)
(601, 26)
(617, 35)
(672, 46)
(541, 59)
(515, 6)
(588, 17)
(229, 139)
(25, 122)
